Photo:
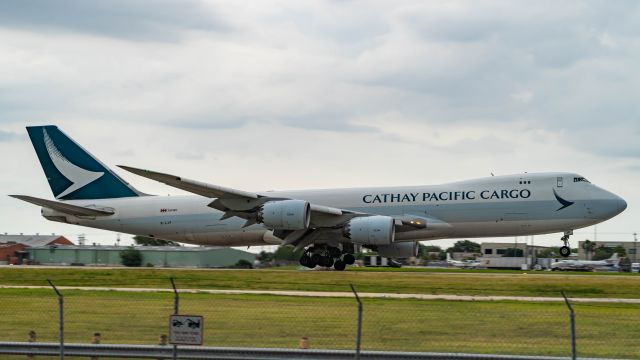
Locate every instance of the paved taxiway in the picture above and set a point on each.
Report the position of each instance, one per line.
(341, 294)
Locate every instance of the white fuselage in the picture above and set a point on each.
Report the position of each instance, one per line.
(513, 205)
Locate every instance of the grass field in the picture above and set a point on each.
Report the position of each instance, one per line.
(604, 330)
(518, 284)
(280, 321)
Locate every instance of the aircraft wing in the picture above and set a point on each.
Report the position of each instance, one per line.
(238, 202)
(64, 207)
(193, 186)
(244, 204)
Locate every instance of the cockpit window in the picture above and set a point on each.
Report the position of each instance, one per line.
(580, 179)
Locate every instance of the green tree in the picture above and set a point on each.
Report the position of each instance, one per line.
(588, 247)
(286, 253)
(620, 250)
(425, 249)
(551, 252)
(602, 253)
(149, 241)
(265, 257)
(430, 252)
(131, 257)
(464, 246)
(243, 264)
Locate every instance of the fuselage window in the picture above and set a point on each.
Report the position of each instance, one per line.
(559, 181)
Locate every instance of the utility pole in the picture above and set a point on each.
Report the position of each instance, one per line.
(534, 253)
(635, 247)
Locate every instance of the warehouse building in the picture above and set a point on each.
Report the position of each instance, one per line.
(157, 256)
(512, 255)
(13, 247)
(500, 249)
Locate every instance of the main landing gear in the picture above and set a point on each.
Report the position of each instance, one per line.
(327, 256)
(565, 250)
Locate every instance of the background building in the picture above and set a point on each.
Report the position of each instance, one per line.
(630, 247)
(158, 256)
(494, 249)
(512, 255)
(13, 247)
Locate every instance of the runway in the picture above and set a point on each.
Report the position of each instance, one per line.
(341, 294)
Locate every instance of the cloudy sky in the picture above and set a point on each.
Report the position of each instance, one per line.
(319, 94)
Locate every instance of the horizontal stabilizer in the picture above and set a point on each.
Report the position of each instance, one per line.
(64, 207)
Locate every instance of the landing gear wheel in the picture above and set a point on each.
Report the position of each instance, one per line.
(565, 250)
(316, 259)
(339, 265)
(304, 260)
(312, 263)
(307, 261)
(349, 259)
(334, 252)
(326, 261)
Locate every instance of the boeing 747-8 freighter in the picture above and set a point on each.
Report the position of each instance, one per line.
(328, 224)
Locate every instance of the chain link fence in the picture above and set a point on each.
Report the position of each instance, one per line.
(603, 330)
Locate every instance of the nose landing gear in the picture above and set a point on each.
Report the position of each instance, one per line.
(565, 250)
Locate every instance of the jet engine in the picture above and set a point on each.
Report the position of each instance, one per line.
(399, 250)
(370, 230)
(285, 215)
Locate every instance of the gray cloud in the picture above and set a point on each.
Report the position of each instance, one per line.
(568, 69)
(337, 93)
(129, 19)
(6, 136)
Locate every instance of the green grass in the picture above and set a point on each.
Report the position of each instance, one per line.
(477, 271)
(464, 283)
(280, 321)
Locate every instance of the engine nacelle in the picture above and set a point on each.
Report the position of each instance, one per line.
(399, 250)
(370, 230)
(285, 215)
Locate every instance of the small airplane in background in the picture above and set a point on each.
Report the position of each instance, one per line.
(587, 265)
(468, 264)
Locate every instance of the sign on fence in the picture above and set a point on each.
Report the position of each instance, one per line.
(186, 329)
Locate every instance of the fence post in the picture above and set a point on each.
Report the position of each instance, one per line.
(97, 337)
(359, 328)
(572, 319)
(176, 308)
(61, 313)
(32, 338)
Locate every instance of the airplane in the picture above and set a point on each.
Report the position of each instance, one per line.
(586, 265)
(463, 264)
(329, 225)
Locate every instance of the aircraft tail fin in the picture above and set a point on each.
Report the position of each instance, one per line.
(72, 172)
(448, 256)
